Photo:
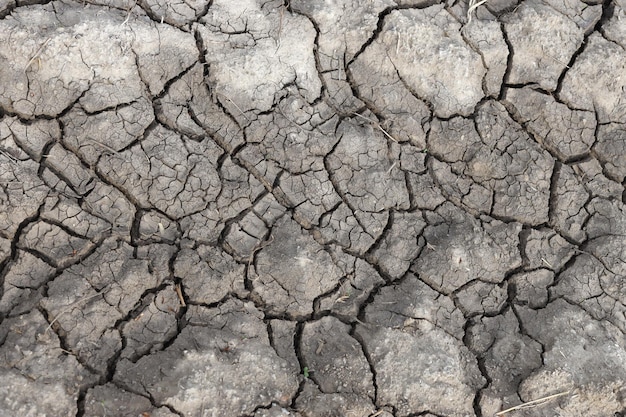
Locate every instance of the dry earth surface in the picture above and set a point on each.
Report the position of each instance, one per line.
(312, 208)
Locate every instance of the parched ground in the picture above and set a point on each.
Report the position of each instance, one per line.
(312, 208)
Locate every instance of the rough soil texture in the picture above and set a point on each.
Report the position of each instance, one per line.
(312, 208)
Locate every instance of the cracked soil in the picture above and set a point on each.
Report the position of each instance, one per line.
(312, 208)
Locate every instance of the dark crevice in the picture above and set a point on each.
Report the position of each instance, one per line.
(356, 336)
(115, 108)
(317, 312)
(427, 103)
(523, 240)
(202, 50)
(458, 202)
(204, 11)
(525, 332)
(532, 133)
(568, 66)
(369, 254)
(297, 343)
(412, 192)
(145, 6)
(607, 13)
(259, 410)
(316, 53)
(554, 192)
(80, 402)
(379, 28)
(135, 235)
(322, 219)
(44, 155)
(558, 278)
(370, 299)
(8, 9)
(511, 291)
(207, 305)
(181, 323)
(166, 88)
(6, 264)
(509, 63)
(335, 183)
(61, 225)
(270, 335)
(479, 394)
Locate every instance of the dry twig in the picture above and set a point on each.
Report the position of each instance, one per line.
(39, 51)
(179, 292)
(532, 403)
(236, 106)
(377, 125)
(473, 5)
(72, 305)
(9, 157)
(130, 9)
(103, 146)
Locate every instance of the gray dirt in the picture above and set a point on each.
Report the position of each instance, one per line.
(312, 208)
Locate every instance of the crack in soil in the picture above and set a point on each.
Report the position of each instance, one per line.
(437, 360)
